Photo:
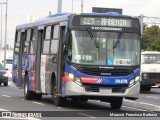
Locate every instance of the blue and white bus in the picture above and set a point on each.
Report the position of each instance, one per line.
(79, 57)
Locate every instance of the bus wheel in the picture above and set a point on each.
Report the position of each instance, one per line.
(59, 101)
(116, 103)
(28, 95)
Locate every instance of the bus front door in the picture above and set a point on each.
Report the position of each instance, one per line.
(38, 58)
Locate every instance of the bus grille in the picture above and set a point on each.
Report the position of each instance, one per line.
(96, 88)
(105, 72)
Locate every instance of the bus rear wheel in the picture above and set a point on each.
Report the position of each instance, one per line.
(116, 103)
(28, 95)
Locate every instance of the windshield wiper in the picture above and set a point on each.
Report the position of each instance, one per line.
(119, 38)
(91, 36)
(90, 32)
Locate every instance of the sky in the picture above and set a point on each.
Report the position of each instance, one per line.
(18, 10)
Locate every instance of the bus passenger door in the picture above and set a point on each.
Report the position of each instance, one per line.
(61, 58)
(38, 59)
(23, 35)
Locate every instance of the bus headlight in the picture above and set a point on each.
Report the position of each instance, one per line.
(134, 81)
(71, 76)
(75, 79)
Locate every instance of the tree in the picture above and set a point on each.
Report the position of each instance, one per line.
(152, 38)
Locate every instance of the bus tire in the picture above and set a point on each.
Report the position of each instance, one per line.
(28, 95)
(59, 101)
(116, 103)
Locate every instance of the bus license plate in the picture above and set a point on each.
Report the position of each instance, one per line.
(105, 90)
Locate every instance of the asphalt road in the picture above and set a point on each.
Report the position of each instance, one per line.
(151, 97)
(11, 99)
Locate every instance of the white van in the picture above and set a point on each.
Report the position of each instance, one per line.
(150, 69)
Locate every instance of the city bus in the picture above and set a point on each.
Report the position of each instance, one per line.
(79, 57)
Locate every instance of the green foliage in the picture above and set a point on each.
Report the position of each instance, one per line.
(151, 36)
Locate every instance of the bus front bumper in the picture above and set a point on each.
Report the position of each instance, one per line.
(73, 89)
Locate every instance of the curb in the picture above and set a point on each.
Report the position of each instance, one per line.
(141, 105)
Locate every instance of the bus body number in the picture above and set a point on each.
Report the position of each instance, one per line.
(121, 81)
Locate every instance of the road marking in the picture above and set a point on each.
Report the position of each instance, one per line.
(134, 108)
(38, 103)
(152, 97)
(137, 102)
(22, 99)
(86, 115)
(6, 96)
(58, 107)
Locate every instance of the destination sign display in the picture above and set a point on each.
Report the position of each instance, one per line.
(102, 21)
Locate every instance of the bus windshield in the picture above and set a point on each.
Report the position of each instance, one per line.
(150, 59)
(99, 49)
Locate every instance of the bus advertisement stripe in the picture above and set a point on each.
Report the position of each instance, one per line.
(89, 80)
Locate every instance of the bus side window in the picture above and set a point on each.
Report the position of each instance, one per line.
(17, 42)
(27, 42)
(18, 36)
(46, 41)
(33, 45)
(54, 39)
